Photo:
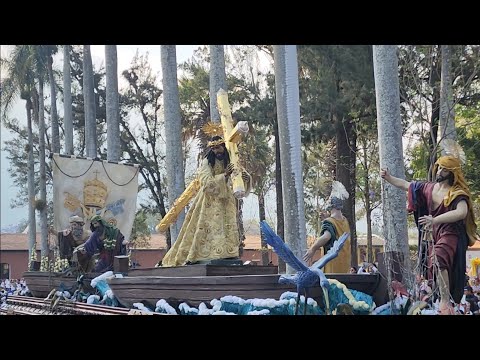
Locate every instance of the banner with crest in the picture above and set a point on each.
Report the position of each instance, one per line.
(87, 187)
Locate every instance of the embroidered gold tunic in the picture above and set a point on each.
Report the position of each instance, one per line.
(210, 229)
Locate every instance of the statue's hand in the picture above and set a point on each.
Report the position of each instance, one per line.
(229, 170)
(308, 256)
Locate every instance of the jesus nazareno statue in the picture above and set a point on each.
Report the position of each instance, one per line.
(210, 229)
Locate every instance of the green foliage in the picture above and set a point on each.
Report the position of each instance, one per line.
(140, 237)
(468, 132)
(368, 182)
(142, 130)
(257, 158)
(336, 81)
(17, 149)
(318, 169)
(419, 157)
(419, 74)
(336, 89)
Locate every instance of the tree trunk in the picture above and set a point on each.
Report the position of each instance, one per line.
(345, 173)
(173, 133)
(43, 177)
(261, 213)
(432, 140)
(67, 101)
(446, 124)
(385, 64)
(113, 111)
(53, 104)
(367, 203)
(288, 105)
(32, 223)
(89, 104)
(282, 267)
(218, 78)
(434, 81)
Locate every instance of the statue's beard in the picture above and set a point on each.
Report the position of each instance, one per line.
(77, 232)
(441, 178)
(99, 230)
(220, 156)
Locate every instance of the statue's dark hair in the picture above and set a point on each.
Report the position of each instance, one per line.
(211, 155)
(335, 203)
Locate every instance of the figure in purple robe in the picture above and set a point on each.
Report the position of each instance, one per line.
(107, 240)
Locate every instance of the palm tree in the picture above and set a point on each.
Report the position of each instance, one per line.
(385, 66)
(40, 54)
(113, 111)
(20, 81)
(89, 104)
(67, 101)
(49, 51)
(288, 110)
(218, 78)
(173, 132)
(446, 123)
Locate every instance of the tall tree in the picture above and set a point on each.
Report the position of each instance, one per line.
(385, 64)
(336, 88)
(51, 50)
(20, 81)
(288, 110)
(143, 144)
(173, 133)
(113, 111)
(40, 54)
(368, 184)
(67, 101)
(446, 124)
(89, 103)
(218, 78)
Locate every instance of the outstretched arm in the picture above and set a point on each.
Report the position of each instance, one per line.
(322, 240)
(397, 182)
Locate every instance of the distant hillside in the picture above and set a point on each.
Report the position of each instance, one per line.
(9, 229)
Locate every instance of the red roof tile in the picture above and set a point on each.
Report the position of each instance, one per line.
(19, 241)
(158, 241)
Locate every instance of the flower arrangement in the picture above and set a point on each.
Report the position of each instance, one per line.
(109, 244)
(33, 257)
(60, 265)
(44, 263)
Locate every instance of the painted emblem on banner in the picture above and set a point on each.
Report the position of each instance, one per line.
(95, 194)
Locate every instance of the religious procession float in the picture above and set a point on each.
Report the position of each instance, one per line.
(90, 193)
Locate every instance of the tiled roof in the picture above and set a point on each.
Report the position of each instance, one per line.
(376, 240)
(19, 241)
(158, 241)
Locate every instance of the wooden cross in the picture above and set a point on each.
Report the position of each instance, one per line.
(232, 136)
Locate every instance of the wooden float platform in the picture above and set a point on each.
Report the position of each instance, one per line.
(41, 283)
(194, 284)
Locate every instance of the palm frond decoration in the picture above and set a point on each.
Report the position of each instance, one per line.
(339, 191)
(453, 148)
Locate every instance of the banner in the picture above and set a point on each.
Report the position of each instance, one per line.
(87, 187)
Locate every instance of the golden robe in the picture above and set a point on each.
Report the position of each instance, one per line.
(342, 263)
(210, 229)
